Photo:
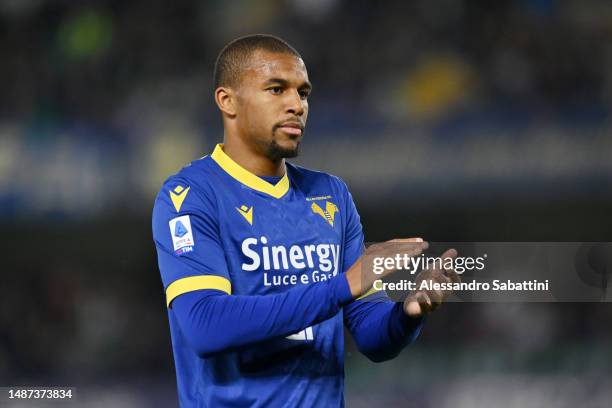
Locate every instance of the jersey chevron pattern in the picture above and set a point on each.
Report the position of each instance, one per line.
(218, 226)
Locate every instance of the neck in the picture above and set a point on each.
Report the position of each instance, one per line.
(251, 160)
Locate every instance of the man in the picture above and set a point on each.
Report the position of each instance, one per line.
(261, 260)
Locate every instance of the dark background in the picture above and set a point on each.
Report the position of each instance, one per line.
(450, 120)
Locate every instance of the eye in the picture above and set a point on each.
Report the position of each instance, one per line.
(276, 90)
(304, 94)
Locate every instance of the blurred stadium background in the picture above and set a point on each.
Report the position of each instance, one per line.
(452, 120)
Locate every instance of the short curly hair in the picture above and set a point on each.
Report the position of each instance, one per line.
(234, 56)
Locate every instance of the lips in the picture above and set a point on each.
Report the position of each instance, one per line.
(292, 128)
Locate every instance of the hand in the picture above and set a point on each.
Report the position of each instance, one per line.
(361, 276)
(421, 302)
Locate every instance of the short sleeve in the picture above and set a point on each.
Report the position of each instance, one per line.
(186, 235)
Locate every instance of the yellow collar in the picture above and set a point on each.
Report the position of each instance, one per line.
(246, 177)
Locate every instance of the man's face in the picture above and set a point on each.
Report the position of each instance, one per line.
(272, 103)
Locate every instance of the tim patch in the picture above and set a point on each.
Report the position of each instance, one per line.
(182, 235)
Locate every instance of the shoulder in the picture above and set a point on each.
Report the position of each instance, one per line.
(313, 178)
(190, 189)
(199, 174)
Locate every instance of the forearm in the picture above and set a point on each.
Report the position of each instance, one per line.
(215, 322)
(380, 327)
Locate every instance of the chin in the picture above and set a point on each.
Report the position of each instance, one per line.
(287, 150)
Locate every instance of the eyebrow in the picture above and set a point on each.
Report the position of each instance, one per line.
(283, 82)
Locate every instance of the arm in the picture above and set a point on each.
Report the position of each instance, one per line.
(198, 286)
(380, 327)
(215, 322)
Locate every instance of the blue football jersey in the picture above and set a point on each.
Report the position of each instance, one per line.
(218, 226)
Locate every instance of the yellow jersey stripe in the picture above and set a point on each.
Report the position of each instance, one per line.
(191, 283)
(246, 177)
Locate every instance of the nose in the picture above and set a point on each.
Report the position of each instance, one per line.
(295, 104)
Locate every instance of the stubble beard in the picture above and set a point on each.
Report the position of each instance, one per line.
(276, 152)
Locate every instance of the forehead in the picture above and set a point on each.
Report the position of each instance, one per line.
(264, 65)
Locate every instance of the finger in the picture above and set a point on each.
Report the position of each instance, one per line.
(453, 276)
(405, 246)
(407, 240)
(424, 301)
(448, 272)
(436, 298)
(397, 246)
(413, 309)
(449, 253)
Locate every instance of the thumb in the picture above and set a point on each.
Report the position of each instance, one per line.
(417, 305)
(413, 309)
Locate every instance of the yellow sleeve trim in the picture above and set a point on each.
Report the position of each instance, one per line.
(191, 283)
(368, 293)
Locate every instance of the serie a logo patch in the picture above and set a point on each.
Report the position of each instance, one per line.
(182, 234)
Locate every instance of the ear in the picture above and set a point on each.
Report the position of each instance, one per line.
(226, 100)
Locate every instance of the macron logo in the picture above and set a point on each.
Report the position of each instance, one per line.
(247, 213)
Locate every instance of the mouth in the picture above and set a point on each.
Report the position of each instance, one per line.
(292, 128)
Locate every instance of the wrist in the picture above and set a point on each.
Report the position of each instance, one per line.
(407, 322)
(342, 289)
(353, 278)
